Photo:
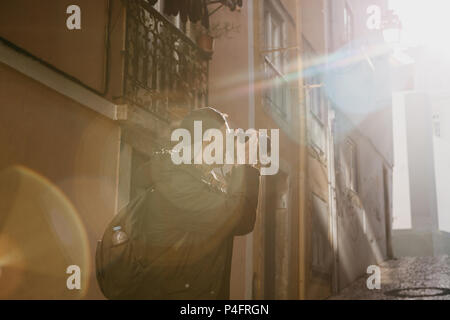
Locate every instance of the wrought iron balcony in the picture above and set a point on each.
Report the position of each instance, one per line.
(165, 72)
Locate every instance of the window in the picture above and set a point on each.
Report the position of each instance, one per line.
(318, 135)
(348, 24)
(437, 125)
(274, 62)
(318, 108)
(315, 100)
(277, 91)
(317, 104)
(274, 39)
(349, 165)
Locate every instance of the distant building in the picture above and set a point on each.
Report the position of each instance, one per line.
(358, 87)
(422, 156)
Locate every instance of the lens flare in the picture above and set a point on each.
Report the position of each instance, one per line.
(40, 236)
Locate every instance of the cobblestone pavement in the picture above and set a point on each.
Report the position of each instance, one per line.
(424, 272)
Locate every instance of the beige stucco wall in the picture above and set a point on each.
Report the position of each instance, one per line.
(237, 88)
(40, 29)
(71, 147)
(314, 27)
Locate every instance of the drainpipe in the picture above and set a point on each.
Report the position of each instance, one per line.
(251, 124)
(303, 163)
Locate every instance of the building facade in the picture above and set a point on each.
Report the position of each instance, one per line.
(421, 221)
(85, 108)
(360, 100)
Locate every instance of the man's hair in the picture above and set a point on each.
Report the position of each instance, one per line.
(210, 118)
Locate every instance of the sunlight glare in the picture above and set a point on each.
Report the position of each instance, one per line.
(425, 22)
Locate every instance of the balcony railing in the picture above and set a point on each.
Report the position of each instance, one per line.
(165, 72)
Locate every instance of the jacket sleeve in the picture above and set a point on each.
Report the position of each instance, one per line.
(250, 186)
(197, 207)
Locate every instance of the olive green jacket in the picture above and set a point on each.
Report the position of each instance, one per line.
(191, 221)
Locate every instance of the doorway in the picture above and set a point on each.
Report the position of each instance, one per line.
(277, 244)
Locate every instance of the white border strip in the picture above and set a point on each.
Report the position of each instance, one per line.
(52, 79)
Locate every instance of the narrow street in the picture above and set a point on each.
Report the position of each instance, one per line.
(422, 276)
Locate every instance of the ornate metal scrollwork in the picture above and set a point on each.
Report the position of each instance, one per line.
(165, 71)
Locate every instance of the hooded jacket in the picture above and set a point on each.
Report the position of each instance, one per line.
(190, 224)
